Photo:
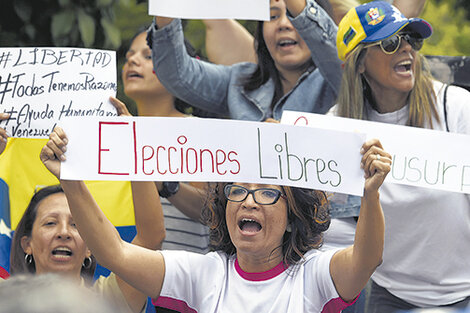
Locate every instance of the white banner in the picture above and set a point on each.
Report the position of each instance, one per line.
(421, 157)
(41, 86)
(192, 149)
(211, 9)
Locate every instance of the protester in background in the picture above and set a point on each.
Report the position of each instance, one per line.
(266, 238)
(228, 42)
(181, 202)
(297, 67)
(385, 79)
(50, 293)
(46, 240)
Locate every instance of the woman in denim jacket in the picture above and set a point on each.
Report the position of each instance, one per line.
(298, 68)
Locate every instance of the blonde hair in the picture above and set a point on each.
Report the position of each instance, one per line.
(422, 98)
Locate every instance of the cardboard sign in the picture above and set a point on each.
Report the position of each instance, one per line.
(191, 149)
(421, 157)
(211, 9)
(41, 86)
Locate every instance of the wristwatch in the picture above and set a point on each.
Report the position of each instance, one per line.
(169, 188)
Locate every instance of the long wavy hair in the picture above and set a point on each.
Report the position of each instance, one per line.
(307, 212)
(354, 90)
(18, 264)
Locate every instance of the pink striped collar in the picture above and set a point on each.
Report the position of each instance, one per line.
(275, 271)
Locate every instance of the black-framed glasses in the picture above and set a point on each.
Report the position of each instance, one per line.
(391, 44)
(262, 196)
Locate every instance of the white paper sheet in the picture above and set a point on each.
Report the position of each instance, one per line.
(41, 86)
(211, 9)
(421, 157)
(190, 149)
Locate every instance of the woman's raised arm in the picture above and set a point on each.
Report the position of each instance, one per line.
(352, 267)
(141, 268)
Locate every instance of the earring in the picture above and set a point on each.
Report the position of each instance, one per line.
(289, 228)
(28, 259)
(87, 263)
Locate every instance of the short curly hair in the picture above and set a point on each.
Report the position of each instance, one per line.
(308, 215)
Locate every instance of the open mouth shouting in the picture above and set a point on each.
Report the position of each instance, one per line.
(287, 42)
(62, 253)
(403, 67)
(249, 226)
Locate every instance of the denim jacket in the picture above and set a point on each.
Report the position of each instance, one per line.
(218, 88)
(343, 205)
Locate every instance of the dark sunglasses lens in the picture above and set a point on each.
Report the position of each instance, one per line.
(416, 43)
(390, 44)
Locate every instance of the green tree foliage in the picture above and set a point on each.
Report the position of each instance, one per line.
(451, 28)
(83, 23)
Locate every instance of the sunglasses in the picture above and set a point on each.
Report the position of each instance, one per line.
(391, 44)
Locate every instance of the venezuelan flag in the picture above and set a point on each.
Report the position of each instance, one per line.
(21, 172)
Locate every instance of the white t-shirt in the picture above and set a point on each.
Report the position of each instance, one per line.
(340, 234)
(426, 259)
(215, 283)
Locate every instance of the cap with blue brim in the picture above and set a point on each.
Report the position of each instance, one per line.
(375, 21)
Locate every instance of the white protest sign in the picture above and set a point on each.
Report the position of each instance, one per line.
(421, 157)
(192, 149)
(211, 9)
(41, 86)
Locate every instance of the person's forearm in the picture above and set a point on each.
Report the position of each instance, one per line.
(202, 84)
(162, 21)
(228, 42)
(319, 33)
(410, 8)
(369, 239)
(97, 231)
(149, 221)
(295, 6)
(189, 200)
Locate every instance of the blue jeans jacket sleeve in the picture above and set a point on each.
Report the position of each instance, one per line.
(219, 88)
(343, 205)
(318, 31)
(194, 81)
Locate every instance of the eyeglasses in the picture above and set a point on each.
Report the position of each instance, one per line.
(262, 196)
(391, 44)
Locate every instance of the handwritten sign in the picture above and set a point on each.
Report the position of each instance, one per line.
(421, 157)
(41, 86)
(211, 9)
(191, 149)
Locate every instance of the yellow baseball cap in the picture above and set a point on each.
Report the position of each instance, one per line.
(374, 21)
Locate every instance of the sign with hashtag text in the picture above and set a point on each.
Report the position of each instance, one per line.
(41, 86)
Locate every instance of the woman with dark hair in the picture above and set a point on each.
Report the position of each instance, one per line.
(181, 202)
(21, 257)
(385, 79)
(297, 67)
(46, 240)
(266, 238)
